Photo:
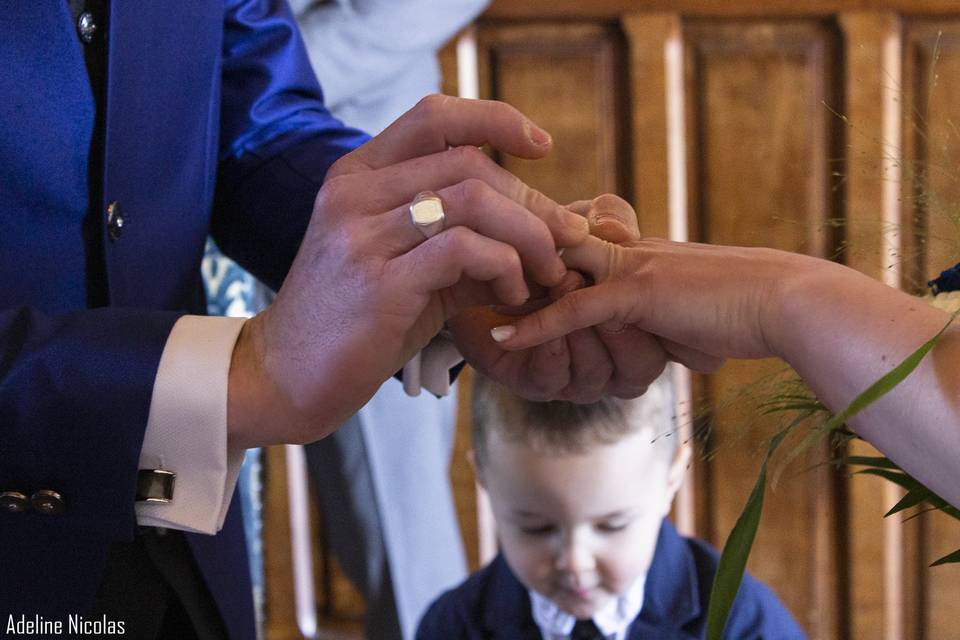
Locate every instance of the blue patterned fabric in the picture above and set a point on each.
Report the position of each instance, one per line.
(231, 291)
(948, 280)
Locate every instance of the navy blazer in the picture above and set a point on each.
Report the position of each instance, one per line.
(493, 604)
(214, 122)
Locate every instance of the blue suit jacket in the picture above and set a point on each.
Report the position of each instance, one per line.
(493, 604)
(214, 123)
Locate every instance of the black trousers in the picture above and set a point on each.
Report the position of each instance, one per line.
(153, 585)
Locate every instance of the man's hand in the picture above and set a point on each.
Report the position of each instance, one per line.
(367, 290)
(609, 359)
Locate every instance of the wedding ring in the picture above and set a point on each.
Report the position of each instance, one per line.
(426, 213)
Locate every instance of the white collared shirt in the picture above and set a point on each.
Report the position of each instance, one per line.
(613, 620)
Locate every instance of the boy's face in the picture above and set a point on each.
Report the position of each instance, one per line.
(578, 529)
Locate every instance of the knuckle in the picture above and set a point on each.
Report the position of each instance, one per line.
(594, 370)
(511, 261)
(352, 243)
(333, 191)
(431, 106)
(474, 192)
(455, 239)
(627, 391)
(541, 390)
(569, 306)
(469, 157)
(539, 322)
(535, 200)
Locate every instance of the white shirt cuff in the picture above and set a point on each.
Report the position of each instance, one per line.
(187, 428)
(430, 368)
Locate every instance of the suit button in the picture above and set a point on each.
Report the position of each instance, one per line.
(87, 27)
(115, 220)
(13, 502)
(48, 502)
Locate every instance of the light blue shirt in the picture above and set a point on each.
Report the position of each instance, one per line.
(375, 59)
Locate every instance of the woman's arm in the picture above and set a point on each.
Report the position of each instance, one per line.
(839, 329)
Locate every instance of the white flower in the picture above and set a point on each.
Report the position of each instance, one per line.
(948, 301)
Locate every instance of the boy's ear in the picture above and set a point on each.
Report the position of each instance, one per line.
(678, 470)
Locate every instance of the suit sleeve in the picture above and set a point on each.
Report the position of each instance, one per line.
(277, 140)
(758, 614)
(72, 383)
(444, 620)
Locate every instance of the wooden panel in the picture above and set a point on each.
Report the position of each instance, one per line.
(933, 120)
(759, 145)
(340, 606)
(710, 8)
(564, 76)
(280, 611)
(648, 36)
(932, 194)
(876, 574)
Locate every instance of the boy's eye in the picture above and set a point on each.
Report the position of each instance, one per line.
(538, 531)
(612, 527)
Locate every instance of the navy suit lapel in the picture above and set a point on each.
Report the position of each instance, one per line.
(505, 606)
(672, 591)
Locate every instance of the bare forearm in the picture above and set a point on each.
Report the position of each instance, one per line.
(843, 331)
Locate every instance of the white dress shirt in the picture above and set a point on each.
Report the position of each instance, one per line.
(613, 620)
(187, 426)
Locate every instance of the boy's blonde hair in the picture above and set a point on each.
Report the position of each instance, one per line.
(562, 427)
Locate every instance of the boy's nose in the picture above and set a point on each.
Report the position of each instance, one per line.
(576, 559)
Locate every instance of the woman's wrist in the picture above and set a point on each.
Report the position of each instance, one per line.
(806, 289)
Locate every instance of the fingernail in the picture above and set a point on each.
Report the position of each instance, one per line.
(604, 218)
(560, 251)
(537, 135)
(501, 334)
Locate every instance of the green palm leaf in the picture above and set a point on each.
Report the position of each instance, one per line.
(950, 558)
(736, 551)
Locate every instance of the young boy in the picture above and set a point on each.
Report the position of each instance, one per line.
(580, 494)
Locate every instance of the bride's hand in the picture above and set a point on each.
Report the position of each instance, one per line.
(581, 365)
(704, 302)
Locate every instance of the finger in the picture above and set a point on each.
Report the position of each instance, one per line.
(580, 207)
(613, 219)
(572, 281)
(691, 358)
(594, 257)
(438, 122)
(638, 359)
(476, 206)
(457, 253)
(542, 371)
(394, 187)
(549, 368)
(590, 367)
(578, 310)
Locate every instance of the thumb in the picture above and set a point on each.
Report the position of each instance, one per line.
(613, 219)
